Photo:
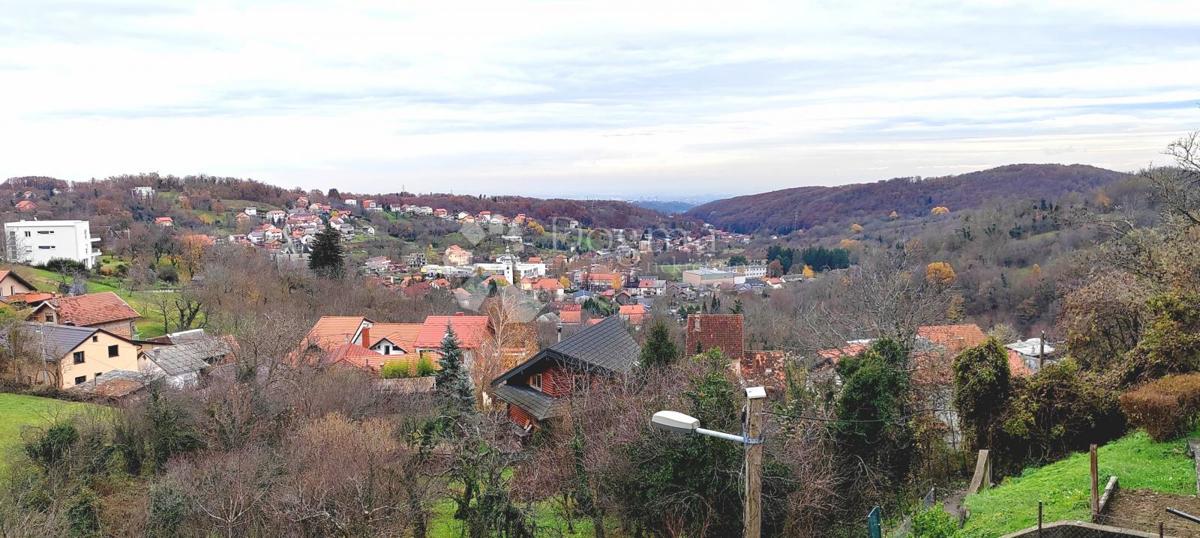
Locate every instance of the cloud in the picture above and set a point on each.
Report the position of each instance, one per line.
(584, 99)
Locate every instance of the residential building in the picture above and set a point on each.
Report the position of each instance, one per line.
(725, 332)
(473, 334)
(12, 284)
(104, 310)
(250, 211)
(76, 355)
(457, 256)
(181, 365)
(165, 222)
(1032, 353)
(143, 192)
(38, 242)
(26, 206)
(538, 389)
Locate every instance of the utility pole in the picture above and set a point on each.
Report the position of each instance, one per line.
(1042, 352)
(752, 516)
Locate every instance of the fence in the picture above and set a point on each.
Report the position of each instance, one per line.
(1149, 523)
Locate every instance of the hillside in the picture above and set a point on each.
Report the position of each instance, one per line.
(786, 210)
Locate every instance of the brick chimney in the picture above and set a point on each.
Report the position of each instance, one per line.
(366, 337)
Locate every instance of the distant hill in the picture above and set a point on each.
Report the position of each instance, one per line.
(590, 213)
(803, 207)
(665, 207)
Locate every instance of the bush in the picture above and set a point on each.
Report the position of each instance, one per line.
(49, 448)
(395, 370)
(934, 522)
(425, 367)
(1165, 408)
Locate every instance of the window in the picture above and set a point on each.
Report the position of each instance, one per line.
(78, 357)
(27, 234)
(45, 232)
(46, 247)
(97, 376)
(535, 381)
(113, 351)
(79, 380)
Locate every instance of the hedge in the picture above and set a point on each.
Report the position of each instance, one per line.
(1166, 408)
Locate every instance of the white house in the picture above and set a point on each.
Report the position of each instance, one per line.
(37, 242)
(143, 192)
(251, 210)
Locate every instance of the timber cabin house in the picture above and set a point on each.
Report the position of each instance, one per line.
(537, 389)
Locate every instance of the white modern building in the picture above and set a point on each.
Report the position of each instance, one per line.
(37, 242)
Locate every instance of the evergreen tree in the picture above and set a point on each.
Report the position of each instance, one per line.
(452, 384)
(659, 349)
(874, 432)
(327, 258)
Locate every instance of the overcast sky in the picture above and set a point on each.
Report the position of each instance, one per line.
(588, 99)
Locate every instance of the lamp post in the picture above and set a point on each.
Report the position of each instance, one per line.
(751, 439)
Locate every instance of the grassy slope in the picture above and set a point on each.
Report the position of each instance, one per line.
(547, 519)
(18, 411)
(1137, 461)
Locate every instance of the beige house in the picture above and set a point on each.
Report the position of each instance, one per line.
(12, 284)
(77, 355)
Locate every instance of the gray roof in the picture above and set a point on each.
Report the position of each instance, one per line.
(188, 357)
(537, 403)
(57, 340)
(606, 346)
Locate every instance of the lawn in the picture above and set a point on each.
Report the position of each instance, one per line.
(549, 522)
(18, 411)
(1062, 486)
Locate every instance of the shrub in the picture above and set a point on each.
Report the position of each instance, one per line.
(425, 367)
(49, 448)
(168, 508)
(395, 369)
(1165, 408)
(934, 522)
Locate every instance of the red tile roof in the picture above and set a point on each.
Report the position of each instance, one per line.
(764, 368)
(471, 331)
(400, 334)
(835, 355)
(1016, 365)
(330, 332)
(954, 338)
(91, 309)
(721, 331)
(355, 355)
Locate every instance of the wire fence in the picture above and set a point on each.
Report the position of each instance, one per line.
(1130, 521)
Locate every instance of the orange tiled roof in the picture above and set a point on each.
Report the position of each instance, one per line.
(400, 334)
(355, 355)
(329, 332)
(835, 355)
(954, 338)
(470, 330)
(92, 309)
(1016, 365)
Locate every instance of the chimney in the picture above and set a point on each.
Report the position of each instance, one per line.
(366, 337)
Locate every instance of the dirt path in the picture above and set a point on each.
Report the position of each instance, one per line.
(1143, 510)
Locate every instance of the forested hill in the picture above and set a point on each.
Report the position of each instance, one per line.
(804, 207)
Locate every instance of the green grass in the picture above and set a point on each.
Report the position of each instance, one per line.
(18, 411)
(548, 520)
(1062, 486)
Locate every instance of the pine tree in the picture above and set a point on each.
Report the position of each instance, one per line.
(659, 349)
(452, 384)
(327, 258)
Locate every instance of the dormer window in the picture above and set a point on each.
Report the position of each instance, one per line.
(535, 381)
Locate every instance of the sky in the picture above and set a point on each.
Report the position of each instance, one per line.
(637, 100)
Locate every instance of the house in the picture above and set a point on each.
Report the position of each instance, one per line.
(351, 202)
(104, 310)
(394, 338)
(1032, 352)
(164, 221)
(330, 332)
(473, 333)
(143, 192)
(537, 390)
(378, 264)
(651, 287)
(115, 386)
(12, 284)
(76, 355)
(635, 314)
(180, 365)
(441, 213)
(370, 205)
(26, 206)
(38, 242)
(276, 215)
(457, 256)
(250, 211)
(725, 332)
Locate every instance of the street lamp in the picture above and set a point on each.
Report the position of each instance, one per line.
(751, 439)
